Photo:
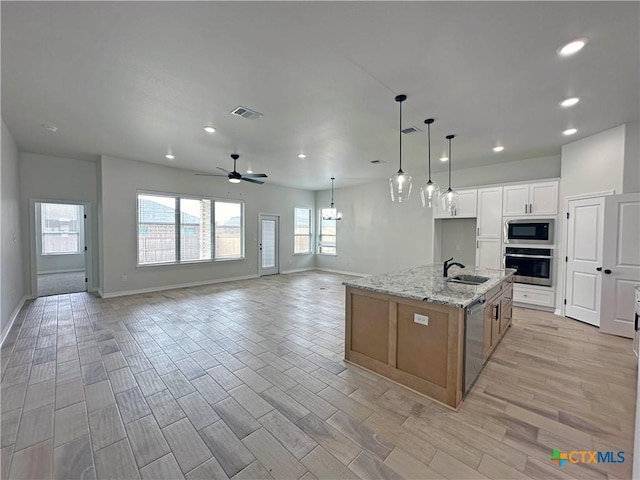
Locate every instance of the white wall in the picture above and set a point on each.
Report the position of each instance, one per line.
(11, 244)
(119, 181)
(43, 177)
(377, 235)
(458, 240)
(590, 165)
(631, 180)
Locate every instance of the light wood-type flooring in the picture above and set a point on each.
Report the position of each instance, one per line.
(246, 380)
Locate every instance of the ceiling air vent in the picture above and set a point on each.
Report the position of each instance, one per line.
(246, 113)
(409, 130)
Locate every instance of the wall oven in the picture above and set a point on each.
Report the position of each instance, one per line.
(529, 231)
(533, 265)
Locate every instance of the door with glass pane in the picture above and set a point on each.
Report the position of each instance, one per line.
(268, 245)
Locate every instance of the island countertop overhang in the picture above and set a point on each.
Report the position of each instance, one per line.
(426, 283)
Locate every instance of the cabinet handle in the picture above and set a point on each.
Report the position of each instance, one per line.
(531, 208)
(525, 208)
(478, 234)
(477, 244)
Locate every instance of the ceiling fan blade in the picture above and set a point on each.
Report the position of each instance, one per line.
(252, 180)
(225, 171)
(255, 175)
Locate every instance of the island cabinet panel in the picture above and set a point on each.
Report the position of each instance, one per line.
(370, 327)
(424, 358)
(422, 349)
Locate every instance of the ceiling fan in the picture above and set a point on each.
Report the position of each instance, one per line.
(235, 177)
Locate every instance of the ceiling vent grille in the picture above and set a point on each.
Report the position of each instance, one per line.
(246, 113)
(410, 130)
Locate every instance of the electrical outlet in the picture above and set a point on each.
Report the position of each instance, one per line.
(421, 319)
(124, 278)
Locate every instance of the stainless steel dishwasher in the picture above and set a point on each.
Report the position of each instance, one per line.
(473, 341)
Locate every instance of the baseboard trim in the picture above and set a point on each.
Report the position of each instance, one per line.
(558, 312)
(13, 317)
(341, 272)
(124, 293)
(298, 270)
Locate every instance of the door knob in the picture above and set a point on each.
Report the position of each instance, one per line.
(599, 269)
(607, 271)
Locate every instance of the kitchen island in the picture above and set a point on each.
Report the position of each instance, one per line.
(409, 326)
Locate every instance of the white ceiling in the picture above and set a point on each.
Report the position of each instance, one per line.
(136, 79)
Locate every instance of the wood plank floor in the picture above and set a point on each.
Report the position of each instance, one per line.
(246, 380)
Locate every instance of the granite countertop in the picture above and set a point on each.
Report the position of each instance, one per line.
(426, 283)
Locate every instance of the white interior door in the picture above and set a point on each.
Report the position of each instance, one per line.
(268, 247)
(584, 256)
(620, 263)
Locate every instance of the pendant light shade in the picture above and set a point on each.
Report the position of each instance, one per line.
(332, 213)
(430, 191)
(400, 183)
(449, 197)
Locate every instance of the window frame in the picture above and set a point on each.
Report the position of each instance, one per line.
(309, 235)
(320, 245)
(178, 228)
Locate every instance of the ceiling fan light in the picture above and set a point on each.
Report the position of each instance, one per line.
(234, 180)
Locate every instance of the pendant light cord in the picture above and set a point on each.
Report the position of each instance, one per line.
(400, 136)
(449, 137)
(429, 147)
(332, 179)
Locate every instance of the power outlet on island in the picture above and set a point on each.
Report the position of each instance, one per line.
(421, 319)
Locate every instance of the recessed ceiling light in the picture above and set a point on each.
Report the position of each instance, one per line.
(249, 171)
(444, 159)
(572, 47)
(570, 131)
(170, 156)
(302, 155)
(51, 128)
(209, 129)
(498, 149)
(569, 102)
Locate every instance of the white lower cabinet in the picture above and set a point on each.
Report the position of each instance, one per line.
(488, 252)
(534, 295)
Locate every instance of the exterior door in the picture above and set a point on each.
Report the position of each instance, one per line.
(620, 263)
(268, 247)
(584, 255)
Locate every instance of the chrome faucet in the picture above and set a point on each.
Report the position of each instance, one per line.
(447, 266)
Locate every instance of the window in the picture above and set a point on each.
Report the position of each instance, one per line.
(175, 229)
(302, 230)
(60, 228)
(327, 240)
(229, 227)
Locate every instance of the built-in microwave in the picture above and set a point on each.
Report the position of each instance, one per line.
(535, 231)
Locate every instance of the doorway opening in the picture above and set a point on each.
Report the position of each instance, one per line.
(60, 232)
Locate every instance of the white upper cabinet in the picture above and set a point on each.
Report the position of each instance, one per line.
(489, 224)
(467, 203)
(530, 199)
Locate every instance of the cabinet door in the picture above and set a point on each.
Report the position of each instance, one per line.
(506, 308)
(488, 253)
(515, 200)
(543, 198)
(490, 212)
(467, 203)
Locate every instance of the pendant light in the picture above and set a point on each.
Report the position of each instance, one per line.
(400, 183)
(449, 197)
(429, 191)
(333, 213)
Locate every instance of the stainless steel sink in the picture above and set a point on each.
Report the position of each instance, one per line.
(468, 279)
